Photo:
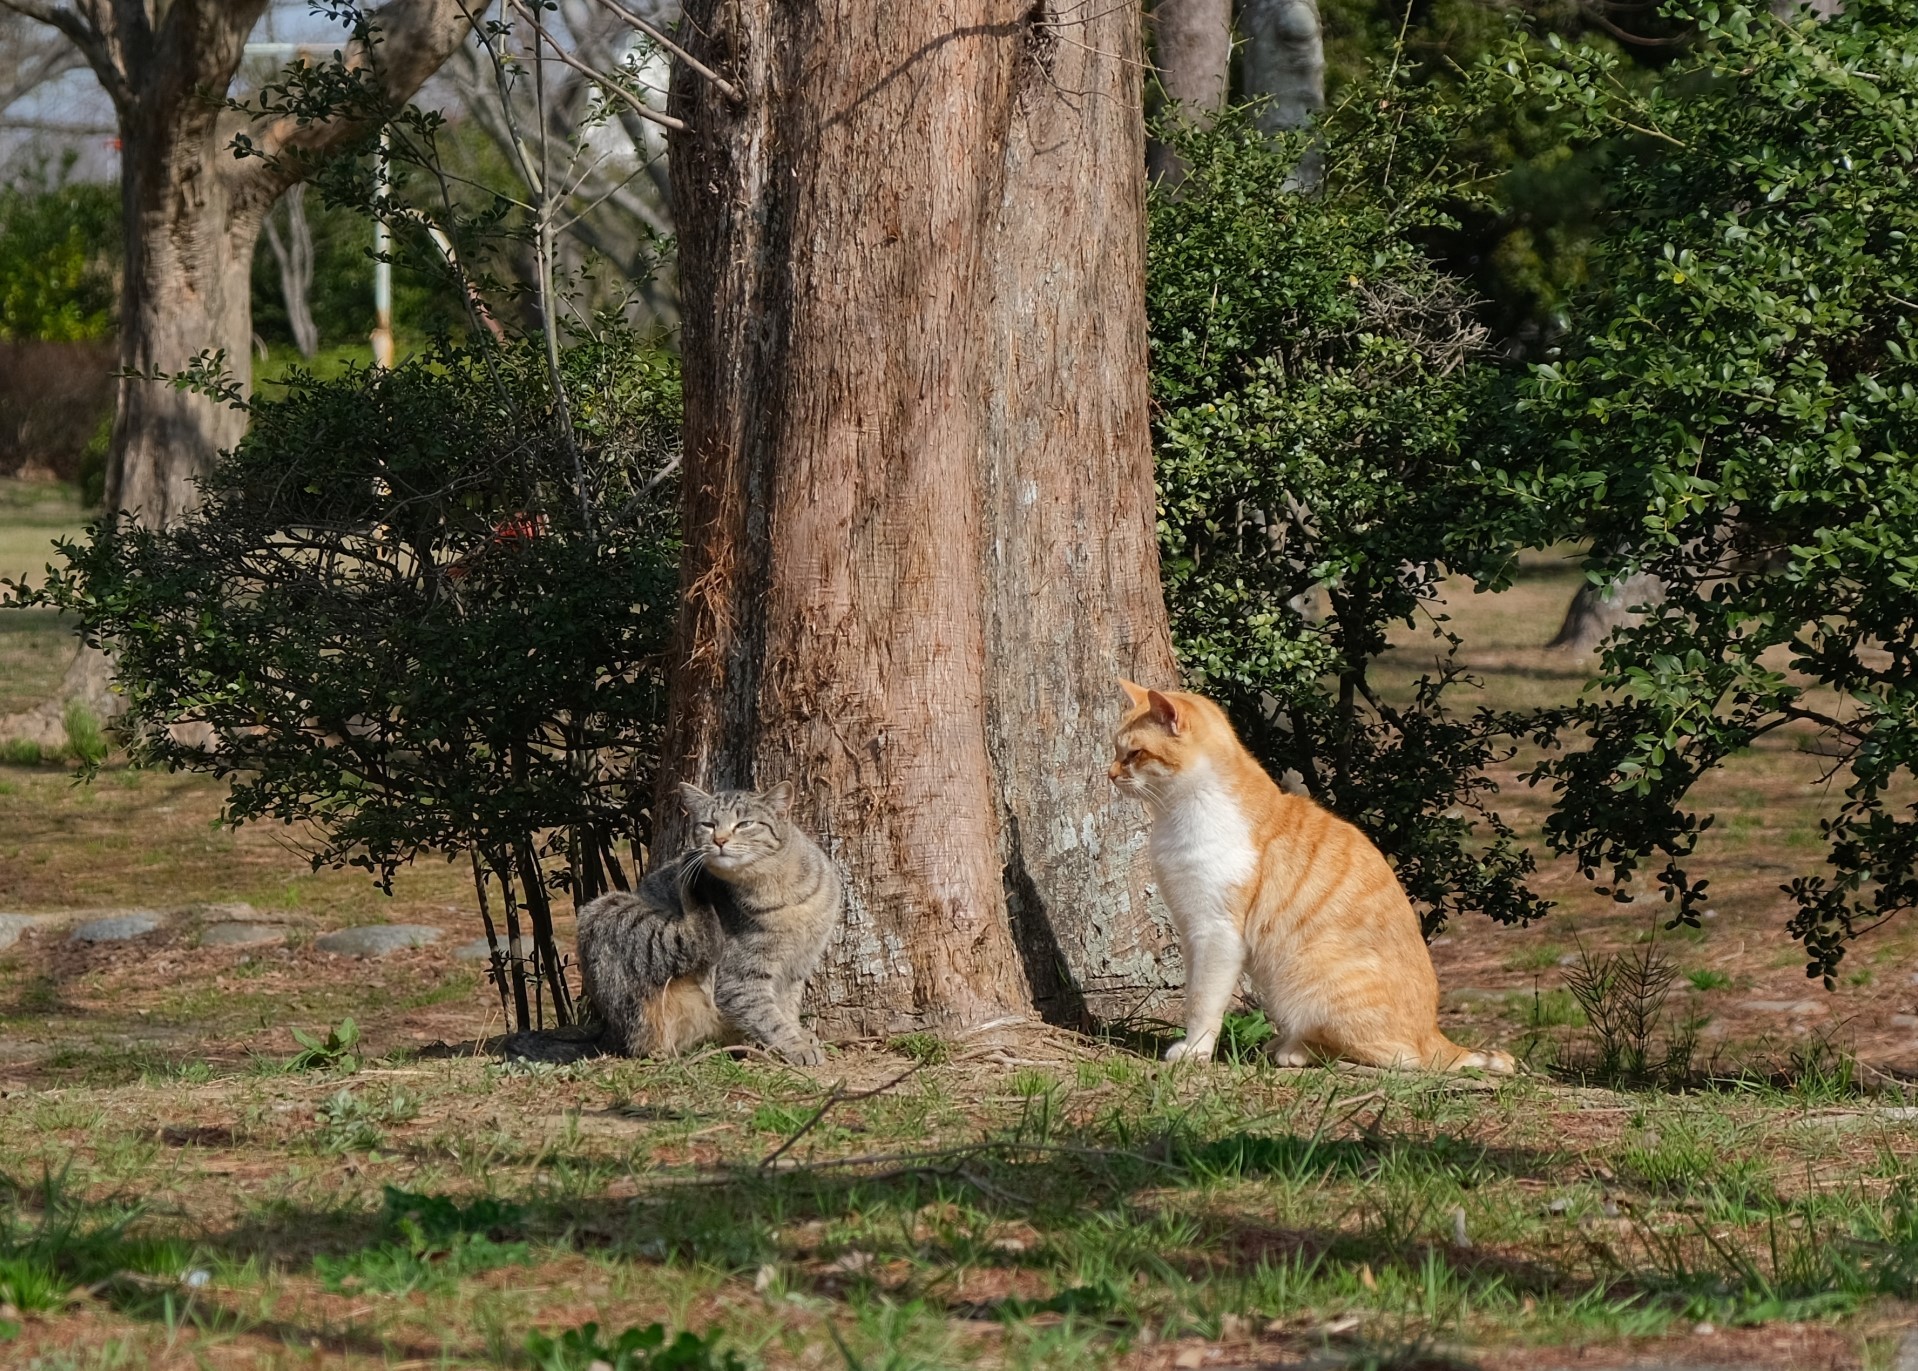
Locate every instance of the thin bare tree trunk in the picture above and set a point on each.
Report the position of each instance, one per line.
(294, 254)
(919, 508)
(1192, 53)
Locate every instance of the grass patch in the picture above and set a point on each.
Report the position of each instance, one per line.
(427, 1240)
(637, 1349)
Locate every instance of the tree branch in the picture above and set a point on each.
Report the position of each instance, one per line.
(85, 36)
(658, 35)
(605, 81)
(412, 38)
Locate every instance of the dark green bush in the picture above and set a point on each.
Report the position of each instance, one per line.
(1322, 393)
(419, 613)
(1737, 414)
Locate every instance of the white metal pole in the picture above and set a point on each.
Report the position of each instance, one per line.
(382, 271)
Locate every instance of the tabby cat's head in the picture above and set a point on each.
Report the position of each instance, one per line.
(736, 828)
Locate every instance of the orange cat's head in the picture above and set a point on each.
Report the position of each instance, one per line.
(1165, 734)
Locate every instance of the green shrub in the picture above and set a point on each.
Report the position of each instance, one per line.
(422, 612)
(59, 252)
(85, 740)
(21, 752)
(1321, 392)
(1736, 413)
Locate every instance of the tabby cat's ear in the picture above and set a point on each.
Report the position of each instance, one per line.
(1168, 713)
(1135, 693)
(692, 797)
(780, 797)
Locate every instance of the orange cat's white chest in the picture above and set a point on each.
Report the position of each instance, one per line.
(1202, 851)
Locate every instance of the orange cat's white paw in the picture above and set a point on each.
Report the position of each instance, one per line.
(1187, 1050)
(1288, 1054)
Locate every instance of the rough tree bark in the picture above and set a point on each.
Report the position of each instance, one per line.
(192, 214)
(1192, 54)
(918, 488)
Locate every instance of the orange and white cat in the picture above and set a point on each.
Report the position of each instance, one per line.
(1271, 886)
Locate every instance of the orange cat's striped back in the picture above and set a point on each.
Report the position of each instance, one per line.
(1274, 887)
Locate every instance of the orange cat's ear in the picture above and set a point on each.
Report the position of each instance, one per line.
(1167, 712)
(1135, 693)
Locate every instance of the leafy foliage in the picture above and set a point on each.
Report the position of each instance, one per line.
(1738, 415)
(336, 1051)
(59, 252)
(1320, 392)
(636, 1349)
(421, 610)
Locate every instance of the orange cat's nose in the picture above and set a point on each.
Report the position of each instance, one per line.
(1115, 771)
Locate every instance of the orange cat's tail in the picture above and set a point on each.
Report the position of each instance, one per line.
(1442, 1054)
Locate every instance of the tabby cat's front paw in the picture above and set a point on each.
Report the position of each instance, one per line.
(804, 1052)
(1190, 1050)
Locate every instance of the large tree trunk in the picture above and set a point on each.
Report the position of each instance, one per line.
(187, 289)
(919, 502)
(1192, 53)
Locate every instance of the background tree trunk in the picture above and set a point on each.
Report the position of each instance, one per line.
(1192, 54)
(1284, 64)
(191, 216)
(294, 255)
(1594, 613)
(187, 289)
(919, 502)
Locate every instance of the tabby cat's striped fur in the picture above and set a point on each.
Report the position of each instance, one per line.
(724, 937)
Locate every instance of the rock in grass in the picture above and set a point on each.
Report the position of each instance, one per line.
(475, 951)
(116, 928)
(377, 940)
(238, 934)
(12, 926)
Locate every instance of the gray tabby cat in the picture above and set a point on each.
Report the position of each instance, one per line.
(724, 937)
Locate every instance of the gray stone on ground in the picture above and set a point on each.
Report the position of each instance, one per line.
(12, 926)
(237, 934)
(377, 940)
(116, 928)
(476, 951)
(1796, 1008)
